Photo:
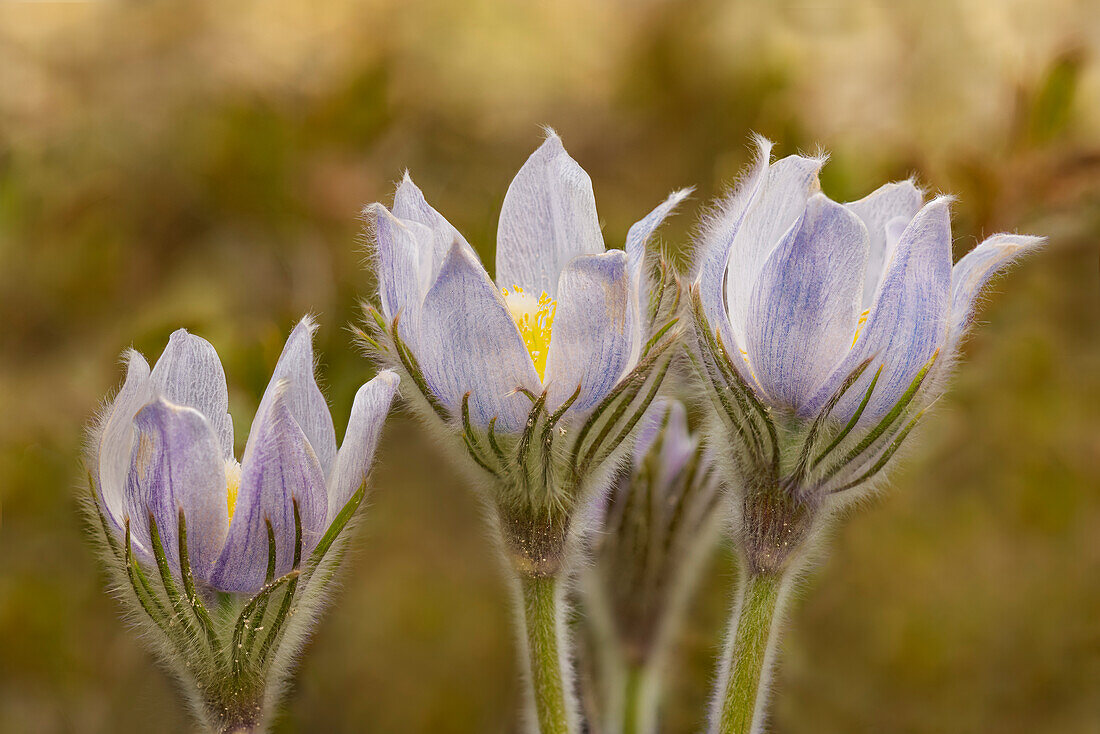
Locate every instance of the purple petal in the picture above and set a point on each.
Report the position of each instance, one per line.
(404, 268)
(805, 306)
(178, 464)
(593, 334)
(908, 321)
(649, 429)
(715, 245)
(470, 343)
(779, 201)
(974, 270)
(190, 373)
(666, 421)
(901, 200)
(409, 204)
(637, 238)
(116, 442)
(678, 445)
(303, 398)
(353, 462)
(548, 218)
(279, 467)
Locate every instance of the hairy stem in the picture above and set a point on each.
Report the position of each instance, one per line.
(640, 700)
(544, 629)
(740, 705)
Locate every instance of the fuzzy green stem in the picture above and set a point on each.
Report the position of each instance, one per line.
(553, 697)
(740, 707)
(640, 699)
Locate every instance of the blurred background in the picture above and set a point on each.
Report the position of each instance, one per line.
(204, 164)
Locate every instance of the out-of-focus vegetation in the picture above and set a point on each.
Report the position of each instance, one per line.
(203, 165)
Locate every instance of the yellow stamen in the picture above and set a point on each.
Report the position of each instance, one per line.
(232, 484)
(859, 325)
(535, 320)
(745, 356)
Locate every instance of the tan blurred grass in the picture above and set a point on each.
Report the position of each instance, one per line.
(203, 165)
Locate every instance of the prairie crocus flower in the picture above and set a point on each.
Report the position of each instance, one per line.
(537, 379)
(822, 333)
(227, 562)
(660, 519)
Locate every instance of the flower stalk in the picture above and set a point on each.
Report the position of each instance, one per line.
(751, 641)
(548, 664)
(822, 333)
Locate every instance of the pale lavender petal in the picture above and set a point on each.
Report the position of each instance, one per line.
(353, 462)
(649, 430)
(409, 204)
(779, 202)
(638, 236)
(177, 464)
(637, 239)
(116, 442)
(593, 335)
(974, 270)
(806, 303)
(303, 398)
(404, 268)
(279, 467)
(908, 321)
(469, 343)
(665, 422)
(715, 245)
(548, 218)
(190, 373)
(678, 445)
(900, 200)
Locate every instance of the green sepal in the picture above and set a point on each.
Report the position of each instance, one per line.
(288, 597)
(143, 590)
(257, 622)
(884, 459)
(851, 421)
(246, 614)
(169, 584)
(883, 425)
(342, 518)
(196, 603)
(412, 367)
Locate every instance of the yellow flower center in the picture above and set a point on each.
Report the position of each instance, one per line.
(534, 318)
(232, 484)
(859, 325)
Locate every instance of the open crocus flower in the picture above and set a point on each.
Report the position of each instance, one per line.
(658, 521)
(836, 311)
(564, 315)
(174, 499)
(538, 379)
(556, 352)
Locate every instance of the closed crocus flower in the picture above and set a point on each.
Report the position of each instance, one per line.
(175, 501)
(539, 377)
(658, 521)
(822, 333)
(841, 312)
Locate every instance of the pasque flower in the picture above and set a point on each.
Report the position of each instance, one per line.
(822, 333)
(564, 314)
(659, 519)
(843, 313)
(173, 498)
(540, 377)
